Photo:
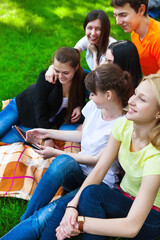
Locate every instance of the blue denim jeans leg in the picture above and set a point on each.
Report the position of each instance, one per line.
(8, 117)
(49, 231)
(65, 171)
(34, 226)
(102, 202)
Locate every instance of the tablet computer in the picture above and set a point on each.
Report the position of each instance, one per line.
(22, 136)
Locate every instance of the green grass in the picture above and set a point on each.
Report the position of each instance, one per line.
(30, 31)
(11, 210)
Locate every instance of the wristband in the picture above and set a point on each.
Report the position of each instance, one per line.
(46, 139)
(72, 207)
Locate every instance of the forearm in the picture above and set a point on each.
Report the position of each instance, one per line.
(82, 159)
(73, 136)
(78, 48)
(101, 168)
(119, 227)
(130, 225)
(95, 61)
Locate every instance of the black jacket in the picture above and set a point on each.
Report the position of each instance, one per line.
(41, 101)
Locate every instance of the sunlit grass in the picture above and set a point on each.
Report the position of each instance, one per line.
(18, 17)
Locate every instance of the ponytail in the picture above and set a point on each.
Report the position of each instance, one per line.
(126, 91)
(111, 77)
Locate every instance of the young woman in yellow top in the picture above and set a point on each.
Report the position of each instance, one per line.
(133, 210)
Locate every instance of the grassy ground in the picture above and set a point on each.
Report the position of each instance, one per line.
(30, 31)
(11, 210)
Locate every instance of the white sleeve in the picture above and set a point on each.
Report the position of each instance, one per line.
(111, 40)
(82, 43)
(88, 108)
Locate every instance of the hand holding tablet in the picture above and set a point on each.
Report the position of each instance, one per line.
(26, 138)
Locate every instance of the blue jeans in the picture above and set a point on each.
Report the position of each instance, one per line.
(9, 116)
(65, 171)
(102, 202)
(33, 227)
(99, 201)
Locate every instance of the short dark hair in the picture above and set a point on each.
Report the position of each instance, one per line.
(110, 77)
(105, 28)
(135, 4)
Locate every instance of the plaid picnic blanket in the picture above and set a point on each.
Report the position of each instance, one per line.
(21, 168)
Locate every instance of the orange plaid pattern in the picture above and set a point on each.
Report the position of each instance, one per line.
(21, 168)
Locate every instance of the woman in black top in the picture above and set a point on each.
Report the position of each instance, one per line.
(48, 105)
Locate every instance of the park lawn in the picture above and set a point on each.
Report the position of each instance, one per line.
(32, 30)
(30, 33)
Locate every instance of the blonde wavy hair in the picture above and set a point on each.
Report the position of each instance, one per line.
(154, 79)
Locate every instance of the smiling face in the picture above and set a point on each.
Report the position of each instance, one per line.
(128, 18)
(93, 31)
(64, 72)
(143, 106)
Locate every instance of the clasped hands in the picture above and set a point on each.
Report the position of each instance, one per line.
(68, 226)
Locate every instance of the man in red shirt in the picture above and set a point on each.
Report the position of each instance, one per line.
(132, 16)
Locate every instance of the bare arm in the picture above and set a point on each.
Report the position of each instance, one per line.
(40, 133)
(127, 227)
(94, 52)
(50, 76)
(95, 177)
(79, 49)
(47, 152)
(73, 136)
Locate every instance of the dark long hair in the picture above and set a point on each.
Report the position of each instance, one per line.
(72, 56)
(126, 56)
(110, 77)
(105, 29)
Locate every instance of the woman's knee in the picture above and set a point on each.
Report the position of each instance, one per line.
(88, 194)
(61, 165)
(94, 194)
(90, 203)
(62, 162)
